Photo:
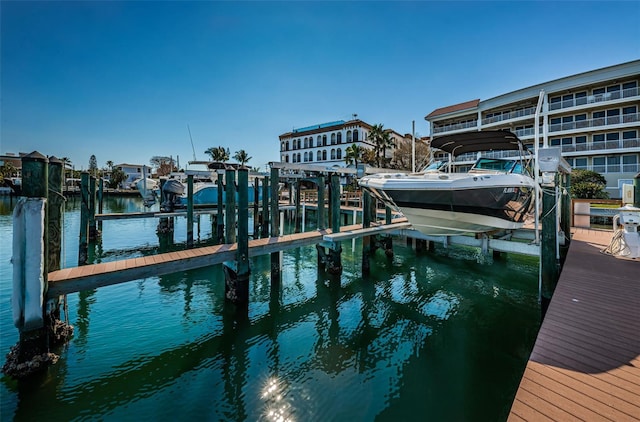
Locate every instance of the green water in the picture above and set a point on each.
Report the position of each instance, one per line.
(438, 336)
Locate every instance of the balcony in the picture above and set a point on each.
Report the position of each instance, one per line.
(593, 99)
(602, 145)
(510, 115)
(599, 121)
(458, 126)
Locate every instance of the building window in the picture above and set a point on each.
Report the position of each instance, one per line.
(348, 136)
(310, 141)
(333, 153)
(333, 139)
(599, 164)
(355, 135)
(630, 163)
(306, 157)
(299, 156)
(287, 146)
(555, 142)
(580, 163)
(319, 156)
(339, 137)
(339, 154)
(293, 158)
(286, 158)
(581, 98)
(324, 154)
(306, 142)
(613, 164)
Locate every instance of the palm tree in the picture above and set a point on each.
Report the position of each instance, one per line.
(109, 164)
(242, 157)
(219, 154)
(387, 142)
(376, 136)
(353, 154)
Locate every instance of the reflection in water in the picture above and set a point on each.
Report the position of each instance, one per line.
(436, 334)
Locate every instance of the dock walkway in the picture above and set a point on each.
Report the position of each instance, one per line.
(585, 364)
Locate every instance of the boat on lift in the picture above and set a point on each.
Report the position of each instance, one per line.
(495, 194)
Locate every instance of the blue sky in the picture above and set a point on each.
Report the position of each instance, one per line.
(122, 80)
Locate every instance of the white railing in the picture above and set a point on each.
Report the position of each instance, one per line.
(447, 128)
(602, 145)
(599, 121)
(510, 115)
(599, 98)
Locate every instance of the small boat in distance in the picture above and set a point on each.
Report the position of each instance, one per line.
(496, 193)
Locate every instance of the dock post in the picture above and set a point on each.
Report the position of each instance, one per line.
(236, 273)
(164, 230)
(220, 216)
(190, 211)
(297, 203)
(256, 203)
(275, 227)
(100, 198)
(321, 214)
(230, 206)
(29, 311)
(93, 229)
(334, 266)
(58, 331)
(265, 207)
(366, 240)
(565, 221)
(83, 247)
(388, 240)
(55, 206)
(548, 261)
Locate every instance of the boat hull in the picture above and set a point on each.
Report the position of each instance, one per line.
(445, 205)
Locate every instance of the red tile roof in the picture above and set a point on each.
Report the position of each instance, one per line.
(452, 108)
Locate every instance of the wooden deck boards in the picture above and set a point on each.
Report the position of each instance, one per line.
(71, 280)
(585, 364)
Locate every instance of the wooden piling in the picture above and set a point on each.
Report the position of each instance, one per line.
(265, 207)
(55, 204)
(565, 220)
(298, 219)
(334, 265)
(230, 206)
(220, 216)
(190, 211)
(237, 272)
(276, 274)
(321, 210)
(100, 201)
(256, 203)
(549, 263)
(93, 228)
(83, 245)
(366, 240)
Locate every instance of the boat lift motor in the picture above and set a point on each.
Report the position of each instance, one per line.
(172, 190)
(627, 238)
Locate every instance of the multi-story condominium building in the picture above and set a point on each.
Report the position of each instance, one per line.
(326, 143)
(592, 116)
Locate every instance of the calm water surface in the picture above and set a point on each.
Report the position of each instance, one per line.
(431, 336)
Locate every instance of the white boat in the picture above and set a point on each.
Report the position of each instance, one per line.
(205, 187)
(496, 193)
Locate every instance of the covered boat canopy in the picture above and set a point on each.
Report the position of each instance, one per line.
(487, 140)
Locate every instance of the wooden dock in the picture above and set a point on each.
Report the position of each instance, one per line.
(585, 364)
(70, 280)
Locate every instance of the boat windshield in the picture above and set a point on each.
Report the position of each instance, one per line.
(435, 166)
(499, 165)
